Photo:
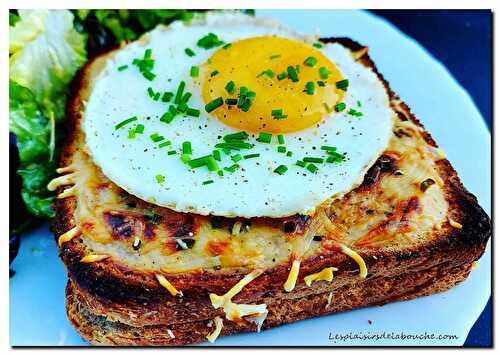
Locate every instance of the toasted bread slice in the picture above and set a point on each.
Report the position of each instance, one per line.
(136, 269)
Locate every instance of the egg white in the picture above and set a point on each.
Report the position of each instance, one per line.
(254, 190)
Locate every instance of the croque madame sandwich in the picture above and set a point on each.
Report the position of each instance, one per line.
(230, 175)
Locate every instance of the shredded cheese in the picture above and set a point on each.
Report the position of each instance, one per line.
(324, 275)
(363, 271)
(170, 288)
(455, 224)
(66, 237)
(65, 169)
(218, 327)
(218, 301)
(92, 258)
(358, 54)
(236, 230)
(68, 192)
(60, 181)
(290, 282)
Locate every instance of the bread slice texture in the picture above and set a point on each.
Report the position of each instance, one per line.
(410, 220)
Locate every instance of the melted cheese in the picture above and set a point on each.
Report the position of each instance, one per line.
(66, 237)
(60, 181)
(455, 224)
(170, 288)
(324, 275)
(92, 258)
(218, 327)
(289, 284)
(363, 271)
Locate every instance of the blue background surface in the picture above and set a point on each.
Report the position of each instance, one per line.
(462, 41)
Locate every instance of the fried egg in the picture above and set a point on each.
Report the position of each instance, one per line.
(232, 115)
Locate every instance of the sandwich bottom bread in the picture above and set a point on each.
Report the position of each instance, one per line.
(409, 230)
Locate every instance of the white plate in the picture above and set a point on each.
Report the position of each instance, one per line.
(37, 315)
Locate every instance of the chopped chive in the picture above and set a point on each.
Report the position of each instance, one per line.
(235, 136)
(131, 133)
(164, 144)
(297, 68)
(300, 163)
(275, 56)
(281, 149)
(180, 92)
(268, 72)
(148, 75)
(186, 148)
(192, 112)
(198, 162)
(139, 128)
(167, 117)
(250, 156)
(292, 73)
(171, 152)
(157, 96)
(155, 137)
(151, 92)
(226, 46)
(231, 102)
(220, 173)
(125, 122)
(282, 76)
(182, 107)
(358, 103)
(214, 73)
(232, 168)
(335, 158)
(209, 41)
(122, 67)
(317, 45)
(321, 83)
(207, 182)
(340, 107)
(281, 169)
(324, 73)
(160, 179)
(312, 168)
(328, 148)
(236, 158)
(185, 158)
(212, 105)
(355, 113)
(243, 90)
(245, 106)
(194, 72)
(167, 96)
(289, 154)
(281, 139)
(189, 52)
(313, 160)
(310, 61)
(148, 53)
(342, 84)
(277, 112)
(309, 88)
(185, 98)
(265, 137)
(230, 87)
(216, 155)
(234, 145)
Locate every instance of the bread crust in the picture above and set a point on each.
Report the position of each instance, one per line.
(111, 287)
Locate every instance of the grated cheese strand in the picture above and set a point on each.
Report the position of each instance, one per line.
(218, 327)
(68, 192)
(66, 237)
(218, 301)
(455, 224)
(60, 181)
(65, 169)
(290, 282)
(363, 271)
(170, 288)
(324, 275)
(92, 258)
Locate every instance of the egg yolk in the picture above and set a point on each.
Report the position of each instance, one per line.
(281, 102)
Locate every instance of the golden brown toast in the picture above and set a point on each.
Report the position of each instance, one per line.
(411, 223)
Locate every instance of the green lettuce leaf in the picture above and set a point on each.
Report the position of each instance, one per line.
(46, 51)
